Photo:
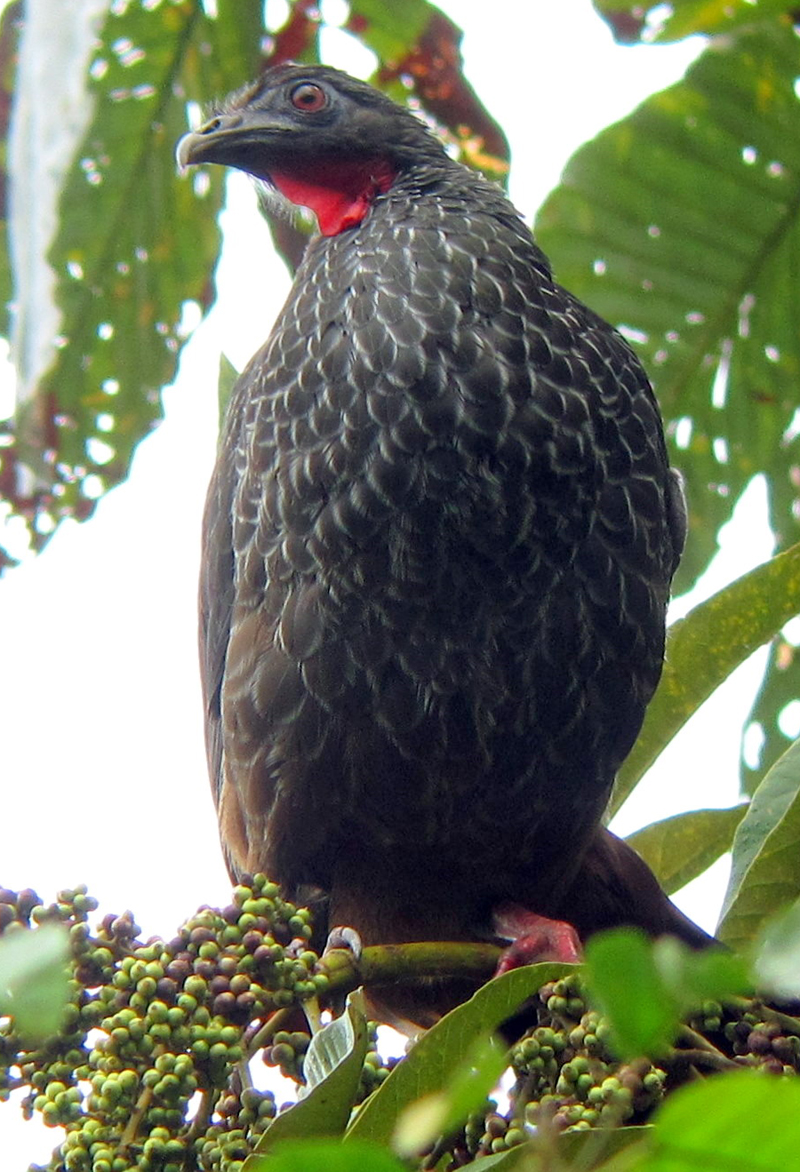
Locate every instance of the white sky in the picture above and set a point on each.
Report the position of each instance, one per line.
(102, 745)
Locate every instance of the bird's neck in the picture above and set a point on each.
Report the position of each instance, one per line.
(339, 193)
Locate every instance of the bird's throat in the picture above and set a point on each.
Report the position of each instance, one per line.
(338, 193)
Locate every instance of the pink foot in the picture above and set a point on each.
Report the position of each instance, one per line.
(534, 938)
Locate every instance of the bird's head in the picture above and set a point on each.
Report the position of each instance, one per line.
(322, 138)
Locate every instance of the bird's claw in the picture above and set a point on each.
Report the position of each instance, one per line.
(343, 937)
(534, 938)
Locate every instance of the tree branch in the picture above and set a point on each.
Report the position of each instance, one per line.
(389, 963)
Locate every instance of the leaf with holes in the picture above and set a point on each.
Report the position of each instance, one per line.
(780, 687)
(681, 223)
(133, 245)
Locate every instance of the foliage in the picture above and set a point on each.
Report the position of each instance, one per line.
(766, 861)
(654, 22)
(135, 246)
(153, 1063)
(680, 225)
(669, 980)
(34, 985)
(131, 249)
(680, 848)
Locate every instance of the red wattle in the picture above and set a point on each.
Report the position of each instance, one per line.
(339, 194)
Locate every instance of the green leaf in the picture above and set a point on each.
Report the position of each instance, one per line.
(741, 1121)
(703, 649)
(502, 1161)
(625, 981)
(34, 979)
(585, 1150)
(391, 30)
(580, 1150)
(135, 245)
(333, 1065)
(439, 1113)
(309, 1155)
(427, 1069)
(644, 986)
(680, 848)
(765, 872)
(337, 1044)
(653, 225)
(777, 964)
(684, 18)
(692, 977)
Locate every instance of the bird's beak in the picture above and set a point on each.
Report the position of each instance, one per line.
(210, 142)
(246, 139)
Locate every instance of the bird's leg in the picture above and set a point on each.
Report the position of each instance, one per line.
(534, 938)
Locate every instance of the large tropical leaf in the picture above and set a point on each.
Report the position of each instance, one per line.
(682, 223)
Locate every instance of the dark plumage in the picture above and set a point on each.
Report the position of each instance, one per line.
(438, 543)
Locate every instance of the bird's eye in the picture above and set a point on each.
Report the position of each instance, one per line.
(308, 97)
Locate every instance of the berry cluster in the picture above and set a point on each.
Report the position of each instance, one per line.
(147, 1071)
(569, 1079)
(151, 1069)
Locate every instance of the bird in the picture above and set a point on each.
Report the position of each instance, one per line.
(438, 545)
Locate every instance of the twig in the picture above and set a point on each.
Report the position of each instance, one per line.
(747, 1004)
(136, 1117)
(698, 1042)
(199, 1124)
(270, 1027)
(713, 1058)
